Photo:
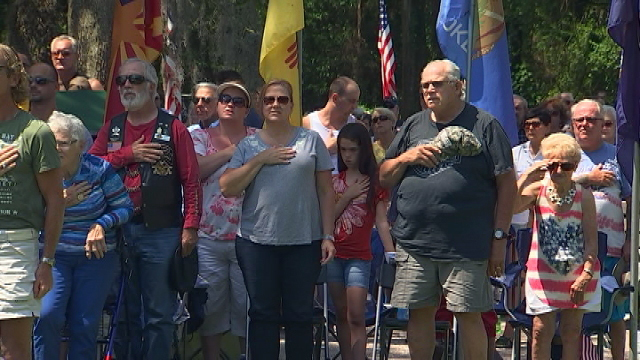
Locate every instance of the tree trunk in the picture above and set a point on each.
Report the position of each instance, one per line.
(90, 21)
(31, 24)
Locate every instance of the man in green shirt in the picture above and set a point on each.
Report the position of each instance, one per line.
(30, 201)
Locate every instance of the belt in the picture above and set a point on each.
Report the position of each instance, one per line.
(18, 234)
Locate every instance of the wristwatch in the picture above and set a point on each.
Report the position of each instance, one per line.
(328, 237)
(499, 234)
(49, 261)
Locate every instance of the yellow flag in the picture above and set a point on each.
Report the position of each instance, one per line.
(279, 56)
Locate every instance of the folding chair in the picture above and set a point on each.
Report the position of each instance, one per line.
(387, 319)
(321, 318)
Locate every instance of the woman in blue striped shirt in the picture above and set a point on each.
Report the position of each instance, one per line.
(85, 261)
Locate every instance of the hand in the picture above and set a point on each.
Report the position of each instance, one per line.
(496, 261)
(328, 251)
(599, 177)
(422, 155)
(276, 155)
(536, 171)
(331, 143)
(626, 251)
(150, 152)
(577, 288)
(76, 193)
(359, 187)
(95, 243)
(189, 241)
(390, 257)
(44, 281)
(8, 158)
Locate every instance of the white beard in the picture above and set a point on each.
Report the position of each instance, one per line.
(136, 102)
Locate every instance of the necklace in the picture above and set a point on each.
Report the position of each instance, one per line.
(552, 193)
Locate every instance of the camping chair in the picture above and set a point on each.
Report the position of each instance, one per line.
(321, 318)
(387, 319)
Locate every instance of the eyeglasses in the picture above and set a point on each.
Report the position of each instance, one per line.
(590, 120)
(436, 84)
(237, 101)
(40, 80)
(205, 99)
(607, 124)
(565, 166)
(65, 144)
(134, 79)
(63, 52)
(375, 119)
(532, 124)
(269, 100)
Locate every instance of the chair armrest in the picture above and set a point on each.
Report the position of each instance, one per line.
(511, 274)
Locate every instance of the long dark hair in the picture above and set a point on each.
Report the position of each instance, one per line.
(367, 164)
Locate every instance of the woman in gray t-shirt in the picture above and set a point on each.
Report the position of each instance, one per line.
(286, 224)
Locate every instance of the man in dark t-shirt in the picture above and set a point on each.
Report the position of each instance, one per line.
(454, 205)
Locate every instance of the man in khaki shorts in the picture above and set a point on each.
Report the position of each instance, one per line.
(455, 199)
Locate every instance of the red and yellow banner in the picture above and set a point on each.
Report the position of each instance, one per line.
(279, 56)
(137, 32)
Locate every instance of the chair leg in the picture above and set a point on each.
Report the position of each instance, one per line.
(600, 346)
(516, 346)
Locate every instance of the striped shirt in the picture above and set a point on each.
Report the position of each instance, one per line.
(108, 204)
(556, 258)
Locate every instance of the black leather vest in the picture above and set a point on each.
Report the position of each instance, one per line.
(160, 181)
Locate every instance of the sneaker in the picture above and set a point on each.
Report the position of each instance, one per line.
(504, 342)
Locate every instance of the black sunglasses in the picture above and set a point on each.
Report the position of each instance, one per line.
(134, 79)
(205, 99)
(282, 100)
(436, 84)
(237, 101)
(63, 52)
(532, 124)
(40, 80)
(375, 119)
(565, 166)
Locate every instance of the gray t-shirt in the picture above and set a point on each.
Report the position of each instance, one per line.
(447, 212)
(281, 204)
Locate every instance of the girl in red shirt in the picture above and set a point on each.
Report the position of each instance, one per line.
(360, 202)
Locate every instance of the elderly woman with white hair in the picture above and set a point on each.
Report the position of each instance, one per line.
(609, 124)
(563, 269)
(85, 261)
(383, 124)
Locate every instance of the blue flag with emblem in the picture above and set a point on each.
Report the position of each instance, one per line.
(490, 84)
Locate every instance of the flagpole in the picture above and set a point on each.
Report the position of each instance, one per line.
(470, 47)
(635, 229)
(299, 40)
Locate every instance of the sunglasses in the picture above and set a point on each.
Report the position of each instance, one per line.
(205, 99)
(269, 100)
(590, 120)
(565, 166)
(607, 124)
(134, 79)
(237, 101)
(40, 80)
(63, 52)
(532, 124)
(64, 144)
(436, 84)
(375, 119)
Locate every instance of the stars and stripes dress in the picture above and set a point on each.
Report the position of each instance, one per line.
(556, 258)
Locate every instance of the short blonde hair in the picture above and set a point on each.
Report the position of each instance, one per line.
(20, 92)
(561, 145)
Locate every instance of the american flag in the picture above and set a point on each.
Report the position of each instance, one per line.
(172, 81)
(387, 58)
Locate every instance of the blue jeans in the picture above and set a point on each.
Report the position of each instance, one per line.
(80, 289)
(146, 327)
(280, 281)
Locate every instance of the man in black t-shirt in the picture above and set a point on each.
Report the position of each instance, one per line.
(454, 208)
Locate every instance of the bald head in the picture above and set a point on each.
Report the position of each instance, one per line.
(43, 69)
(44, 82)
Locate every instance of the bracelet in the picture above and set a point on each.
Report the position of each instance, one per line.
(328, 237)
(588, 271)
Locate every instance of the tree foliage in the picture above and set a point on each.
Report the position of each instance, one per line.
(555, 46)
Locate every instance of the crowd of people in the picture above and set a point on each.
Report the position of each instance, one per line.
(266, 204)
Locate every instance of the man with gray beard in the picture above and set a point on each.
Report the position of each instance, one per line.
(147, 143)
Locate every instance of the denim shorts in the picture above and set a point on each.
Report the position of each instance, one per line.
(350, 272)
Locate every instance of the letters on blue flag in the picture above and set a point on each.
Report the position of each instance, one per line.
(490, 84)
(624, 28)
